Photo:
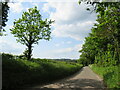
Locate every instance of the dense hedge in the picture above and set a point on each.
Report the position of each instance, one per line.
(18, 72)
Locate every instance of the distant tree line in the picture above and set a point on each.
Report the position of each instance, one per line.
(67, 60)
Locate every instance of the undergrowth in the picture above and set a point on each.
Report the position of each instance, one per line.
(110, 75)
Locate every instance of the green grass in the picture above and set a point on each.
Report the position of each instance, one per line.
(110, 75)
(18, 72)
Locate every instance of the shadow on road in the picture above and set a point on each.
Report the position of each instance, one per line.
(81, 83)
(74, 84)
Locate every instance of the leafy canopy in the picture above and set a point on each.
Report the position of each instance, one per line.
(31, 28)
(3, 15)
(103, 44)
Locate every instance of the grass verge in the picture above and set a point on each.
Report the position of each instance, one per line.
(18, 72)
(110, 75)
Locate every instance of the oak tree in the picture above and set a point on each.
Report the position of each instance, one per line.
(30, 29)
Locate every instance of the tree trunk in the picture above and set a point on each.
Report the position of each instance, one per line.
(29, 47)
(29, 51)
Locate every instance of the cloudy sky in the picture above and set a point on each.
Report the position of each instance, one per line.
(72, 25)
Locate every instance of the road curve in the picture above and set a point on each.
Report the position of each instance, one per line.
(84, 79)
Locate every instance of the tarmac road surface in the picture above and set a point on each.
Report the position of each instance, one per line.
(85, 79)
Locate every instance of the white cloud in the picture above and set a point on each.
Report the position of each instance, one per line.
(77, 31)
(61, 0)
(71, 20)
(77, 47)
(68, 42)
(16, 7)
(27, 9)
(68, 12)
(10, 26)
(62, 43)
(70, 52)
(35, 4)
(64, 50)
(44, 0)
(19, 1)
(57, 45)
(10, 47)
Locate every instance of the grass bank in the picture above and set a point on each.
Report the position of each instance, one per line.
(110, 75)
(18, 72)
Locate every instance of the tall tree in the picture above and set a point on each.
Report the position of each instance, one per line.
(30, 29)
(3, 15)
(106, 33)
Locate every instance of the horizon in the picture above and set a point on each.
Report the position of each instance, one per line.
(72, 24)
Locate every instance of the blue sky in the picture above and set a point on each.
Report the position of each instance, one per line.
(72, 25)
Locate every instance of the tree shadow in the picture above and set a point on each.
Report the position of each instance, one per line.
(39, 85)
(72, 84)
(84, 84)
(77, 84)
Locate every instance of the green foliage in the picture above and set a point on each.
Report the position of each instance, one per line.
(18, 73)
(109, 74)
(3, 16)
(105, 59)
(30, 29)
(103, 44)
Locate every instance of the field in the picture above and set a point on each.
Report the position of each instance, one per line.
(18, 72)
